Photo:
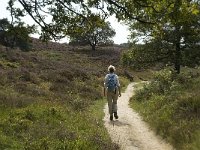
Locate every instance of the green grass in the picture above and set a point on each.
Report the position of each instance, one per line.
(123, 83)
(53, 126)
(172, 109)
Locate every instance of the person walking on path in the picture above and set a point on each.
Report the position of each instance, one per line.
(112, 91)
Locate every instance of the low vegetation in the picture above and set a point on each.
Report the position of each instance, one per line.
(170, 103)
(51, 98)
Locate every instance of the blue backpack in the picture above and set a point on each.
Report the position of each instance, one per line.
(111, 84)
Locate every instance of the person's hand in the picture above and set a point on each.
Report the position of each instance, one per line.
(119, 94)
(104, 92)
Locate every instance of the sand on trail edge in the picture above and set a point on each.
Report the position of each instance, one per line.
(130, 132)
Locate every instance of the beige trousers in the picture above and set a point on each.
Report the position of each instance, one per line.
(112, 101)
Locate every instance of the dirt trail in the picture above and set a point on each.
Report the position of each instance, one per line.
(129, 131)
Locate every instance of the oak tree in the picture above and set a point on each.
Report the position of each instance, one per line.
(93, 32)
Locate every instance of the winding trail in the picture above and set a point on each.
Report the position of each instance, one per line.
(129, 131)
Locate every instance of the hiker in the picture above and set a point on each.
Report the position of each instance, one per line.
(112, 88)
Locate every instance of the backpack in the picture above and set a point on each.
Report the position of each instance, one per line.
(111, 84)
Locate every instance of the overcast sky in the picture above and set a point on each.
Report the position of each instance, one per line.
(121, 30)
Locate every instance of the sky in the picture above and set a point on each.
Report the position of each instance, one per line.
(120, 29)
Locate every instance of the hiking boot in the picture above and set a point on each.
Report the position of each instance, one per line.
(111, 117)
(115, 115)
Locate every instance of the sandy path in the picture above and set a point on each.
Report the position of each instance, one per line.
(129, 131)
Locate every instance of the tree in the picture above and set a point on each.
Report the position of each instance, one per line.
(4, 27)
(174, 38)
(57, 18)
(15, 35)
(54, 17)
(93, 31)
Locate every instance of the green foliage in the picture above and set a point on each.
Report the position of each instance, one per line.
(16, 35)
(93, 32)
(170, 104)
(68, 17)
(163, 82)
(140, 56)
(171, 37)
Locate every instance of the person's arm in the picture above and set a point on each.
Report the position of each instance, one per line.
(118, 85)
(104, 91)
(104, 86)
(119, 91)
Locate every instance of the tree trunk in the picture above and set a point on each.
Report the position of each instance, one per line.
(178, 58)
(93, 47)
(178, 37)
